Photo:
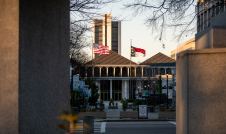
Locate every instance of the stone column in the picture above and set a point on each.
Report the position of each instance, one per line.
(125, 89)
(128, 72)
(201, 92)
(9, 67)
(113, 71)
(135, 72)
(99, 71)
(142, 71)
(120, 71)
(110, 89)
(34, 65)
(107, 71)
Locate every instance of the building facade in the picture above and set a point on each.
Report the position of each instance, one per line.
(207, 10)
(118, 78)
(211, 24)
(200, 92)
(108, 32)
(188, 45)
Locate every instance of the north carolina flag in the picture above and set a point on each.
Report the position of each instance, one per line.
(135, 50)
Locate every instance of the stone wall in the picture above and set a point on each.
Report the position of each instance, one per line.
(212, 38)
(9, 66)
(201, 101)
(34, 65)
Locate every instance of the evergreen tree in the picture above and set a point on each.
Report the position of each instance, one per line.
(94, 92)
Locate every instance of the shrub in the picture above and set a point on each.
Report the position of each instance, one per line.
(124, 104)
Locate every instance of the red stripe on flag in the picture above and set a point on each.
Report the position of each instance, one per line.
(139, 50)
(101, 49)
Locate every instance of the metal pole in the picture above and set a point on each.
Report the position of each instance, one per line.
(167, 91)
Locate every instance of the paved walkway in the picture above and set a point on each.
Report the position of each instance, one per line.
(134, 127)
(99, 127)
(113, 114)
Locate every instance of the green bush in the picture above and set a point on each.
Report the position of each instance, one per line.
(124, 104)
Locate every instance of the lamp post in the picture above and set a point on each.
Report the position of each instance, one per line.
(167, 87)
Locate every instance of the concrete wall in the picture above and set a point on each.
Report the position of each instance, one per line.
(204, 41)
(34, 82)
(212, 38)
(201, 85)
(219, 37)
(9, 68)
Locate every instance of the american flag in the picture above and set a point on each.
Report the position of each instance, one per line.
(100, 49)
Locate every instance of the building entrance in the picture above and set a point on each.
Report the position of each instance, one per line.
(111, 89)
(117, 90)
(105, 90)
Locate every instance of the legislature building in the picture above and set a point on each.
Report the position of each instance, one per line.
(119, 78)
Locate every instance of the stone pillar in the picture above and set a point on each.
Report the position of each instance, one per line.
(142, 71)
(120, 71)
(107, 71)
(128, 71)
(135, 72)
(125, 88)
(113, 71)
(99, 71)
(9, 67)
(34, 65)
(110, 89)
(201, 92)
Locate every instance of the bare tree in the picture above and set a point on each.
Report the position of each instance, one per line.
(85, 10)
(161, 14)
(77, 43)
(82, 13)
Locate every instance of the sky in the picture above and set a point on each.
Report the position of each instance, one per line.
(135, 30)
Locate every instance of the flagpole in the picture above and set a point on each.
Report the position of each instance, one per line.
(130, 82)
(130, 55)
(92, 60)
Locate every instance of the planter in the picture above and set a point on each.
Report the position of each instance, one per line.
(129, 114)
(96, 115)
(153, 115)
(167, 115)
